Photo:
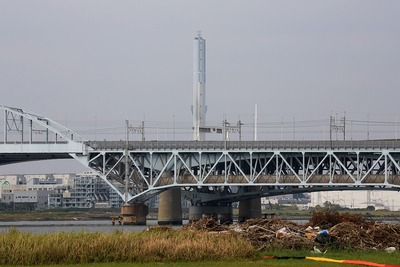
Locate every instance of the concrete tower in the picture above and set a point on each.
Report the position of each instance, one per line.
(199, 87)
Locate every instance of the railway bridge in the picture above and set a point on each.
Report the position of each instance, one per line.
(212, 174)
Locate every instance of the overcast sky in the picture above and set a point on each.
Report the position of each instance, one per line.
(92, 62)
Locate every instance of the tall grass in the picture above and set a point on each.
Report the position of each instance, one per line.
(21, 248)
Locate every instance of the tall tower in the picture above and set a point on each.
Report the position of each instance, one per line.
(199, 87)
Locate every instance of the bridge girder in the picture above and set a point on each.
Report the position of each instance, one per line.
(225, 169)
(271, 171)
(27, 136)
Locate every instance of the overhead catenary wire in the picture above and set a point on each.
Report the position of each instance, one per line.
(283, 128)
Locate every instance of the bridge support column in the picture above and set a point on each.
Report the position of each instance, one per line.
(134, 214)
(195, 213)
(169, 207)
(249, 209)
(225, 215)
(221, 213)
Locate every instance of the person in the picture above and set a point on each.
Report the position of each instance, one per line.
(113, 220)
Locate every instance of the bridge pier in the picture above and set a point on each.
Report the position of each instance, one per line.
(221, 213)
(170, 207)
(195, 213)
(249, 209)
(134, 214)
(225, 215)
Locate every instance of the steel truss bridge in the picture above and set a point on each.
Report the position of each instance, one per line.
(208, 171)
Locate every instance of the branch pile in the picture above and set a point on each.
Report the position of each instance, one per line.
(206, 224)
(351, 231)
(274, 233)
(367, 236)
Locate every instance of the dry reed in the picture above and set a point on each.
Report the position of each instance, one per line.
(21, 248)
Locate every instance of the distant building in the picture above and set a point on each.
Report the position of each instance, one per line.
(302, 201)
(18, 194)
(39, 198)
(12, 179)
(86, 190)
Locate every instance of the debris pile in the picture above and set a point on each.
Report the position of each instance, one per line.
(328, 218)
(325, 229)
(159, 228)
(367, 236)
(206, 224)
(274, 233)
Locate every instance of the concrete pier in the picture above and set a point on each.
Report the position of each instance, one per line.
(225, 215)
(134, 214)
(221, 213)
(169, 207)
(249, 209)
(195, 213)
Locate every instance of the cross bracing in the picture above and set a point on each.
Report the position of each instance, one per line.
(27, 136)
(219, 167)
(226, 171)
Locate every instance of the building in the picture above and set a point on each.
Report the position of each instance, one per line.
(86, 190)
(31, 190)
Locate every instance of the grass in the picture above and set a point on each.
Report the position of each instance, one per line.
(372, 256)
(158, 247)
(22, 248)
(256, 261)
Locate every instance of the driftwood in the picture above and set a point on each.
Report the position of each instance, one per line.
(350, 231)
(367, 236)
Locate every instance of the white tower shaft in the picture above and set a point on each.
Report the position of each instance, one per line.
(199, 87)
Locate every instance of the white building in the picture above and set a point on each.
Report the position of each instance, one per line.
(31, 188)
(12, 179)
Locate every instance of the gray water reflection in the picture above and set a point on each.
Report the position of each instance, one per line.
(101, 226)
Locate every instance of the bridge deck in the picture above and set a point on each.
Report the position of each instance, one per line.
(302, 166)
(248, 145)
(152, 166)
(137, 170)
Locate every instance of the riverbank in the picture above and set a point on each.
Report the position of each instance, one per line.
(168, 247)
(153, 245)
(106, 214)
(59, 215)
(257, 261)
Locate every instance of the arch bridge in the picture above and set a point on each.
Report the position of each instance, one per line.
(209, 171)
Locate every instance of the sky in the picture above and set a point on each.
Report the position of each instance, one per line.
(90, 65)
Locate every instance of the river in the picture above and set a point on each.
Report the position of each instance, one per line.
(101, 226)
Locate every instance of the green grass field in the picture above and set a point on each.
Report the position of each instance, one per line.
(257, 261)
(159, 247)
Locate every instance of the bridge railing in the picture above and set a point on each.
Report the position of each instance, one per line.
(33, 142)
(248, 145)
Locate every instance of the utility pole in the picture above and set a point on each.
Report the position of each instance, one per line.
(294, 128)
(174, 126)
(367, 126)
(239, 126)
(126, 163)
(225, 125)
(337, 125)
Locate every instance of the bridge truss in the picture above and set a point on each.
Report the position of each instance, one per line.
(231, 171)
(27, 136)
(209, 171)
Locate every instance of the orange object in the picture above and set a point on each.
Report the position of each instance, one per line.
(356, 262)
(367, 263)
(310, 235)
